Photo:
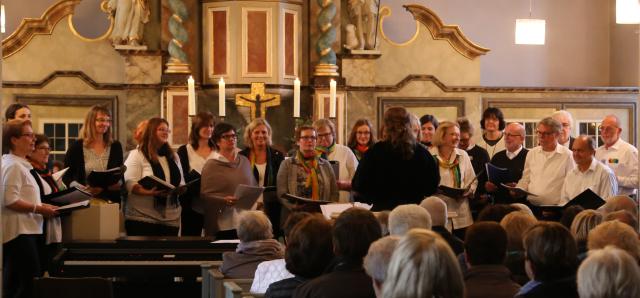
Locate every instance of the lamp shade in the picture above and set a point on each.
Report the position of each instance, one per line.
(530, 31)
(627, 12)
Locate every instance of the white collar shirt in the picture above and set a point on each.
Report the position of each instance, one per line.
(622, 159)
(598, 177)
(512, 155)
(544, 174)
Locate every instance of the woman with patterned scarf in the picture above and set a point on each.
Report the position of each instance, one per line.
(151, 212)
(306, 174)
(328, 149)
(265, 162)
(455, 171)
(362, 137)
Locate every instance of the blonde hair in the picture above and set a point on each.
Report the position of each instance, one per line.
(423, 265)
(608, 273)
(584, 222)
(516, 224)
(438, 136)
(615, 233)
(88, 132)
(251, 126)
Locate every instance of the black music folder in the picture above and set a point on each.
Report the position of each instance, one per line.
(453, 192)
(305, 204)
(586, 199)
(68, 196)
(497, 175)
(105, 178)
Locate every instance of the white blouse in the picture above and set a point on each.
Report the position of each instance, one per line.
(19, 184)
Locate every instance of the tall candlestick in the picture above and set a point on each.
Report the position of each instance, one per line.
(332, 99)
(221, 98)
(192, 96)
(296, 98)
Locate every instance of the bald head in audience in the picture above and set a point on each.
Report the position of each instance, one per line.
(377, 261)
(406, 217)
(615, 233)
(437, 209)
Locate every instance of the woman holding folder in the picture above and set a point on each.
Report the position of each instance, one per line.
(192, 158)
(95, 150)
(456, 171)
(265, 162)
(221, 175)
(152, 212)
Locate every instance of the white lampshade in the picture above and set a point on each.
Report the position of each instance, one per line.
(530, 31)
(627, 12)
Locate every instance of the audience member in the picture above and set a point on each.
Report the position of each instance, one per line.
(423, 265)
(588, 173)
(455, 171)
(346, 269)
(492, 124)
(383, 219)
(332, 151)
(566, 120)
(485, 251)
(615, 233)
(568, 214)
(582, 224)
(609, 273)
(620, 202)
(309, 250)
(546, 166)
(551, 262)
(396, 170)
(428, 126)
(512, 159)
(516, 224)
(361, 138)
(522, 207)
(376, 262)
(437, 209)
(623, 216)
(619, 155)
(495, 212)
(256, 245)
(406, 217)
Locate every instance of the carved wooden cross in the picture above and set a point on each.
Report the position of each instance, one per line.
(258, 101)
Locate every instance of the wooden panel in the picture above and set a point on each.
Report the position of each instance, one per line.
(256, 41)
(179, 119)
(289, 44)
(219, 38)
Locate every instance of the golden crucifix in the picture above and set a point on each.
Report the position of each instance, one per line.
(257, 100)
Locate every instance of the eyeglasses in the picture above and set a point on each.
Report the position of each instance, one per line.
(229, 137)
(28, 135)
(308, 138)
(103, 120)
(607, 128)
(325, 135)
(544, 133)
(512, 135)
(44, 148)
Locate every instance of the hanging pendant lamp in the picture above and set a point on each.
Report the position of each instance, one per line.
(530, 31)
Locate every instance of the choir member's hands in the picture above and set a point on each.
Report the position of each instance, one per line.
(230, 200)
(47, 210)
(94, 190)
(344, 185)
(154, 192)
(490, 187)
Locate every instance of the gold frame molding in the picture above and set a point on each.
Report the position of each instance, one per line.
(450, 33)
(385, 11)
(29, 27)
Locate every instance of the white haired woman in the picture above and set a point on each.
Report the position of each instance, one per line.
(256, 245)
(607, 273)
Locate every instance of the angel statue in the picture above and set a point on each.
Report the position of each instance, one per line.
(363, 15)
(129, 19)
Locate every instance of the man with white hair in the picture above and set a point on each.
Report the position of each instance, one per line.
(566, 120)
(406, 217)
(619, 155)
(437, 209)
(377, 261)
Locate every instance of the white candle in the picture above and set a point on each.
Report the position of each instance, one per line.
(192, 96)
(221, 98)
(332, 99)
(296, 98)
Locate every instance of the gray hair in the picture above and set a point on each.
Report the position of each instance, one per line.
(423, 265)
(406, 217)
(377, 259)
(253, 225)
(615, 233)
(609, 272)
(560, 113)
(325, 123)
(551, 123)
(437, 208)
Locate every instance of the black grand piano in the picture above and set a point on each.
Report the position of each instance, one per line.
(144, 265)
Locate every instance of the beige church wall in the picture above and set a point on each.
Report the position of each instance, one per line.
(62, 51)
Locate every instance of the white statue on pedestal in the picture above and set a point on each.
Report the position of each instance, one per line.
(363, 17)
(129, 19)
